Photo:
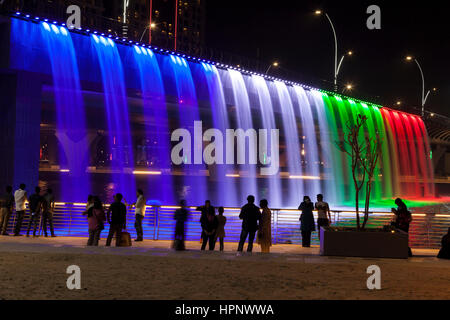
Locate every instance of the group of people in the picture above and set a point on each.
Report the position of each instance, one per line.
(256, 221)
(41, 210)
(307, 224)
(116, 215)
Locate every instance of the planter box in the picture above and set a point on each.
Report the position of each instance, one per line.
(373, 244)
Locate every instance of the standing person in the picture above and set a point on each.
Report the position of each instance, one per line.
(20, 198)
(250, 215)
(96, 222)
(180, 216)
(209, 224)
(89, 204)
(323, 213)
(444, 253)
(35, 205)
(402, 219)
(7, 203)
(307, 224)
(207, 208)
(117, 219)
(265, 227)
(47, 212)
(139, 214)
(220, 233)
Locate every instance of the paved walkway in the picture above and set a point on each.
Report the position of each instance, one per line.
(36, 269)
(163, 248)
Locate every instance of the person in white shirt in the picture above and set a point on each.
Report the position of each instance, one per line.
(20, 198)
(139, 214)
(323, 213)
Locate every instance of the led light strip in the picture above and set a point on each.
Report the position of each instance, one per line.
(153, 173)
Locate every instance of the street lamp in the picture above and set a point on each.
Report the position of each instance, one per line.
(424, 96)
(124, 17)
(347, 87)
(275, 64)
(337, 66)
(149, 27)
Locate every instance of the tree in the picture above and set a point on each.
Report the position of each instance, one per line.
(369, 163)
(364, 153)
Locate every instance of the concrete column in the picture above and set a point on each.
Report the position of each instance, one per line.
(20, 110)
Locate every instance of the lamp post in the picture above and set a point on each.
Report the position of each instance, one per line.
(124, 17)
(275, 64)
(337, 66)
(347, 87)
(150, 27)
(424, 95)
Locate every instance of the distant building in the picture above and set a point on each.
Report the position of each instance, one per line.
(109, 16)
(190, 22)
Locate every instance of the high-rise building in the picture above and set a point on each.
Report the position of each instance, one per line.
(91, 10)
(180, 20)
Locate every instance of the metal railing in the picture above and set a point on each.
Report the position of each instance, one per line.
(426, 229)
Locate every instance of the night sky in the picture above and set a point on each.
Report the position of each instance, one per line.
(290, 32)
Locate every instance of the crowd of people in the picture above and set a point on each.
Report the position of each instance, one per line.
(41, 210)
(256, 221)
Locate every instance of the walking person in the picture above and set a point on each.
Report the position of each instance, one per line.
(117, 218)
(250, 215)
(402, 219)
(6, 207)
(307, 225)
(20, 198)
(220, 233)
(444, 253)
(204, 210)
(35, 206)
(323, 213)
(48, 208)
(209, 224)
(139, 214)
(96, 222)
(180, 216)
(265, 227)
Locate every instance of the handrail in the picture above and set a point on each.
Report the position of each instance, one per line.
(425, 232)
(79, 204)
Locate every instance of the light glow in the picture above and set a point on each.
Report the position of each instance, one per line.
(304, 177)
(154, 173)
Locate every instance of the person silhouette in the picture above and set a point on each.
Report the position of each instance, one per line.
(403, 218)
(265, 227)
(307, 221)
(444, 253)
(180, 216)
(250, 216)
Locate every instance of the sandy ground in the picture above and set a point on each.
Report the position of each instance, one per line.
(36, 269)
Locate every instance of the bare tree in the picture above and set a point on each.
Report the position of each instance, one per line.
(355, 149)
(369, 163)
(364, 152)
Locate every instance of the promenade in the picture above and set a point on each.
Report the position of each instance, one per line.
(35, 268)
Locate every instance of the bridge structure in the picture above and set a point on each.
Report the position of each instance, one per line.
(89, 112)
